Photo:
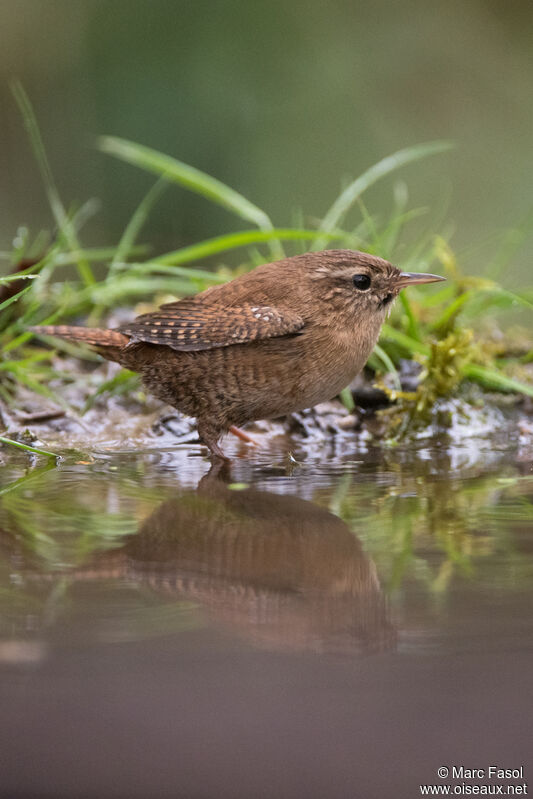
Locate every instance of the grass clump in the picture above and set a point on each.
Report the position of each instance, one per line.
(57, 279)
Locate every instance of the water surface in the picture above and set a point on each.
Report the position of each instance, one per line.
(338, 628)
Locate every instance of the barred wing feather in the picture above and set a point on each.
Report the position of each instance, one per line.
(189, 326)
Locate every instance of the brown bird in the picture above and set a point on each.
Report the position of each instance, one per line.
(283, 337)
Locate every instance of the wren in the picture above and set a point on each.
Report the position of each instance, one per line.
(283, 337)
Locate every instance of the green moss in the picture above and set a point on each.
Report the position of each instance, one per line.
(441, 376)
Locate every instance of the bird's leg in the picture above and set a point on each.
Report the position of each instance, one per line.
(209, 436)
(242, 435)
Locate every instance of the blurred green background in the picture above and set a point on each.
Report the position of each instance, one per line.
(283, 101)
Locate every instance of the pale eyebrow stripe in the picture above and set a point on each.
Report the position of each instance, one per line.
(348, 271)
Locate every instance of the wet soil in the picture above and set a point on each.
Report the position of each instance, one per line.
(134, 419)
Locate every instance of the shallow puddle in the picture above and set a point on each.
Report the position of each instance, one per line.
(341, 627)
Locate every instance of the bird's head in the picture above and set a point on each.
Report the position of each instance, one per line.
(352, 282)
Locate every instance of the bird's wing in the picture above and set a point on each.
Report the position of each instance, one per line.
(188, 325)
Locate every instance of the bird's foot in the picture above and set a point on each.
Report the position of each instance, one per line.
(242, 435)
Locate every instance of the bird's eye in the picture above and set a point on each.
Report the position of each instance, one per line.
(361, 282)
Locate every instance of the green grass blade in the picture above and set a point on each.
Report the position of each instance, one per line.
(120, 383)
(391, 234)
(389, 366)
(11, 278)
(347, 399)
(14, 298)
(154, 267)
(351, 193)
(490, 378)
(31, 476)
(105, 295)
(371, 225)
(511, 296)
(62, 219)
(484, 297)
(21, 323)
(97, 254)
(408, 343)
(242, 238)
(413, 328)
(192, 179)
(133, 228)
(27, 448)
(67, 347)
(34, 385)
(7, 366)
(511, 243)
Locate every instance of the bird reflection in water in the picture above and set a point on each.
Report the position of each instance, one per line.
(278, 570)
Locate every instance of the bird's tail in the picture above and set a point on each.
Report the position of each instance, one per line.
(107, 342)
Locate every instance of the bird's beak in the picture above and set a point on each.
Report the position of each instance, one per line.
(413, 278)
